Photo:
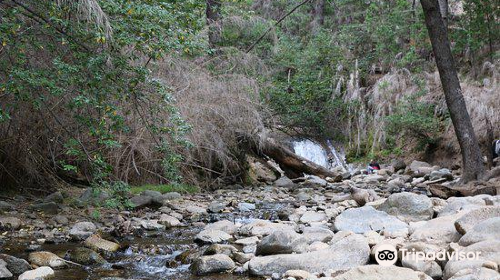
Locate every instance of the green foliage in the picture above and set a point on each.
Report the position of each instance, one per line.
(414, 119)
(180, 188)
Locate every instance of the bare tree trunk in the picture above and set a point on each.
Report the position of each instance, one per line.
(473, 167)
(213, 13)
(489, 141)
(318, 15)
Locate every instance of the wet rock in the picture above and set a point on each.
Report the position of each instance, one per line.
(223, 225)
(312, 234)
(281, 242)
(313, 217)
(408, 207)
(377, 272)
(5, 206)
(4, 272)
(224, 249)
(15, 265)
(85, 256)
(216, 207)
(284, 182)
(349, 252)
(474, 217)
(56, 197)
(246, 207)
(366, 218)
(82, 230)
(43, 272)
(485, 230)
(140, 201)
(211, 236)
(46, 259)
(50, 208)
(11, 223)
(212, 264)
(95, 242)
(169, 221)
(438, 230)
(263, 228)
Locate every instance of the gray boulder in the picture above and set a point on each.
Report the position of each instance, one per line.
(212, 264)
(366, 218)
(284, 182)
(82, 230)
(485, 230)
(4, 272)
(56, 197)
(246, 207)
(15, 265)
(474, 217)
(398, 164)
(211, 236)
(408, 207)
(223, 225)
(438, 231)
(43, 272)
(313, 234)
(11, 223)
(281, 242)
(50, 208)
(313, 217)
(140, 201)
(377, 272)
(349, 252)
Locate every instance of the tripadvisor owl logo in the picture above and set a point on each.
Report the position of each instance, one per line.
(386, 255)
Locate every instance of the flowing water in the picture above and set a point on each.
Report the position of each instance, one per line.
(317, 153)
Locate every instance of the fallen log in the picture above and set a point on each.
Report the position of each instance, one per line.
(292, 164)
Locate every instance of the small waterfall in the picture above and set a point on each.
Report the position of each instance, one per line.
(316, 153)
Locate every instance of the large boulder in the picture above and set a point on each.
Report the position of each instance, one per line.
(211, 237)
(408, 207)
(362, 196)
(281, 242)
(223, 225)
(377, 272)
(398, 164)
(284, 182)
(429, 267)
(85, 256)
(459, 204)
(140, 201)
(263, 228)
(485, 251)
(4, 272)
(485, 230)
(43, 272)
(46, 259)
(349, 252)
(438, 231)
(212, 264)
(50, 208)
(313, 217)
(480, 273)
(474, 217)
(366, 218)
(313, 234)
(10, 223)
(95, 242)
(82, 230)
(259, 171)
(169, 221)
(15, 265)
(420, 167)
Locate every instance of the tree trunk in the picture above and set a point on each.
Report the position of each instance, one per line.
(473, 167)
(443, 9)
(489, 142)
(213, 13)
(318, 15)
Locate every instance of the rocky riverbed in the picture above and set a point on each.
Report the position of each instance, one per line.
(311, 228)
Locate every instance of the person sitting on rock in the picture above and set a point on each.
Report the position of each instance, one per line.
(373, 166)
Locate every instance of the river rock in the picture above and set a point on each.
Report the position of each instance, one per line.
(225, 249)
(169, 221)
(313, 217)
(50, 208)
(377, 272)
(140, 201)
(11, 223)
(416, 166)
(150, 224)
(43, 272)
(349, 252)
(474, 217)
(56, 197)
(95, 242)
(61, 219)
(489, 252)
(4, 272)
(366, 218)
(362, 196)
(485, 230)
(284, 182)
(171, 196)
(212, 264)
(398, 164)
(438, 230)
(15, 265)
(242, 257)
(481, 273)
(216, 207)
(211, 236)
(5, 206)
(223, 225)
(263, 228)
(429, 267)
(298, 274)
(408, 207)
(247, 241)
(314, 182)
(44, 258)
(246, 207)
(281, 242)
(441, 174)
(312, 234)
(85, 256)
(82, 230)
(459, 204)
